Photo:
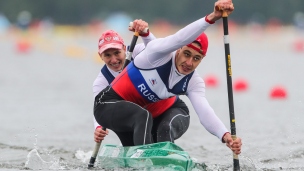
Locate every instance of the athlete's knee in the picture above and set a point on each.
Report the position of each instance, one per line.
(143, 119)
(144, 115)
(181, 105)
(165, 126)
(143, 129)
(179, 126)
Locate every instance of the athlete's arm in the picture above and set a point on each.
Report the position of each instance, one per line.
(99, 84)
(207, 116)
(147, 38)
(159, 51)
(141, 46)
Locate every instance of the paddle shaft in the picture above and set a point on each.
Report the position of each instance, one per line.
(236, 165)
(130, 50)
(94, 154)
(126, 62)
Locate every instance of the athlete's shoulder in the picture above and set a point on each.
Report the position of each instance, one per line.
(197, 77)
(196, 83)
(140, 46)
(137, 49)
(99, 79)
(99, 83)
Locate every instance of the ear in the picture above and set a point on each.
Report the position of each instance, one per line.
(178, 51)
(100, 56)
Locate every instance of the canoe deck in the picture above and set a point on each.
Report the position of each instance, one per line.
(157, 155)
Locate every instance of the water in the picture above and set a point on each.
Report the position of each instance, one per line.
(46, 101)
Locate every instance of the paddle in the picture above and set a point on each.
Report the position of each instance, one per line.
(126, 62)
(132, 46)
(236, 165)
(95, 151)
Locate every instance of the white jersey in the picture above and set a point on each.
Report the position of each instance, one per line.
(102, 82)
(152, 76)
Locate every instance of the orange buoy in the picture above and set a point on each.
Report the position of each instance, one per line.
(240, 85)
(278, 92)
(23, 46)
(211, 81)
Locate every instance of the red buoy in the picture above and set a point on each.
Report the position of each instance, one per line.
(240, 85)
(299, 45)
(211, 81)
(278, 92)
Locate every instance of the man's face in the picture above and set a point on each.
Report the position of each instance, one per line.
(188, 59)
(114, 58)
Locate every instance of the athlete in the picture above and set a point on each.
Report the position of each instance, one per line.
(167, 126)
(165, 68)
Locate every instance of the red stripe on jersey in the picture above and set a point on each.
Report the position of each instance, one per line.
(124, 86)
(155, 109)
(161, 106)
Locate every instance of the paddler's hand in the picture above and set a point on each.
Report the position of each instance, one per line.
(234, 145)
(99, 134)
(139, 26)
(219, 7)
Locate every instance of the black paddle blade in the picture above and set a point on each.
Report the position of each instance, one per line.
(236, 165)
(91, 163)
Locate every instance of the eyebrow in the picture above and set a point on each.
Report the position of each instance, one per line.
(187, 51)
(198, 56)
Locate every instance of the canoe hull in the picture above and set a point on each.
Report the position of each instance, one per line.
(157, 155)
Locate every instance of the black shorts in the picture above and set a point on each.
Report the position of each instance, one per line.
(134, 125)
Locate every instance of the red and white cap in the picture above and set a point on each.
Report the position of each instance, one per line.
(203, 41)
(109, 39)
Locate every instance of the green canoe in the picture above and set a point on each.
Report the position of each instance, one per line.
(158, 155)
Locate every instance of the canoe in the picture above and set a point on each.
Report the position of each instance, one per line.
(154, 156)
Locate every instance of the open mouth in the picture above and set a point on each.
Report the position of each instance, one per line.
(116, 65)
(186, 69)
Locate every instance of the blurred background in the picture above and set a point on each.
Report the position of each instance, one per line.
(31, 13)
(91, 17)
(48, 62)
(79, 12)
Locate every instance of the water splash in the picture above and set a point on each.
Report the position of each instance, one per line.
(246, 163)
(84, 157)
(35, 162)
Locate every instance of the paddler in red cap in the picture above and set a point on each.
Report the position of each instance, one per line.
(165, 68)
